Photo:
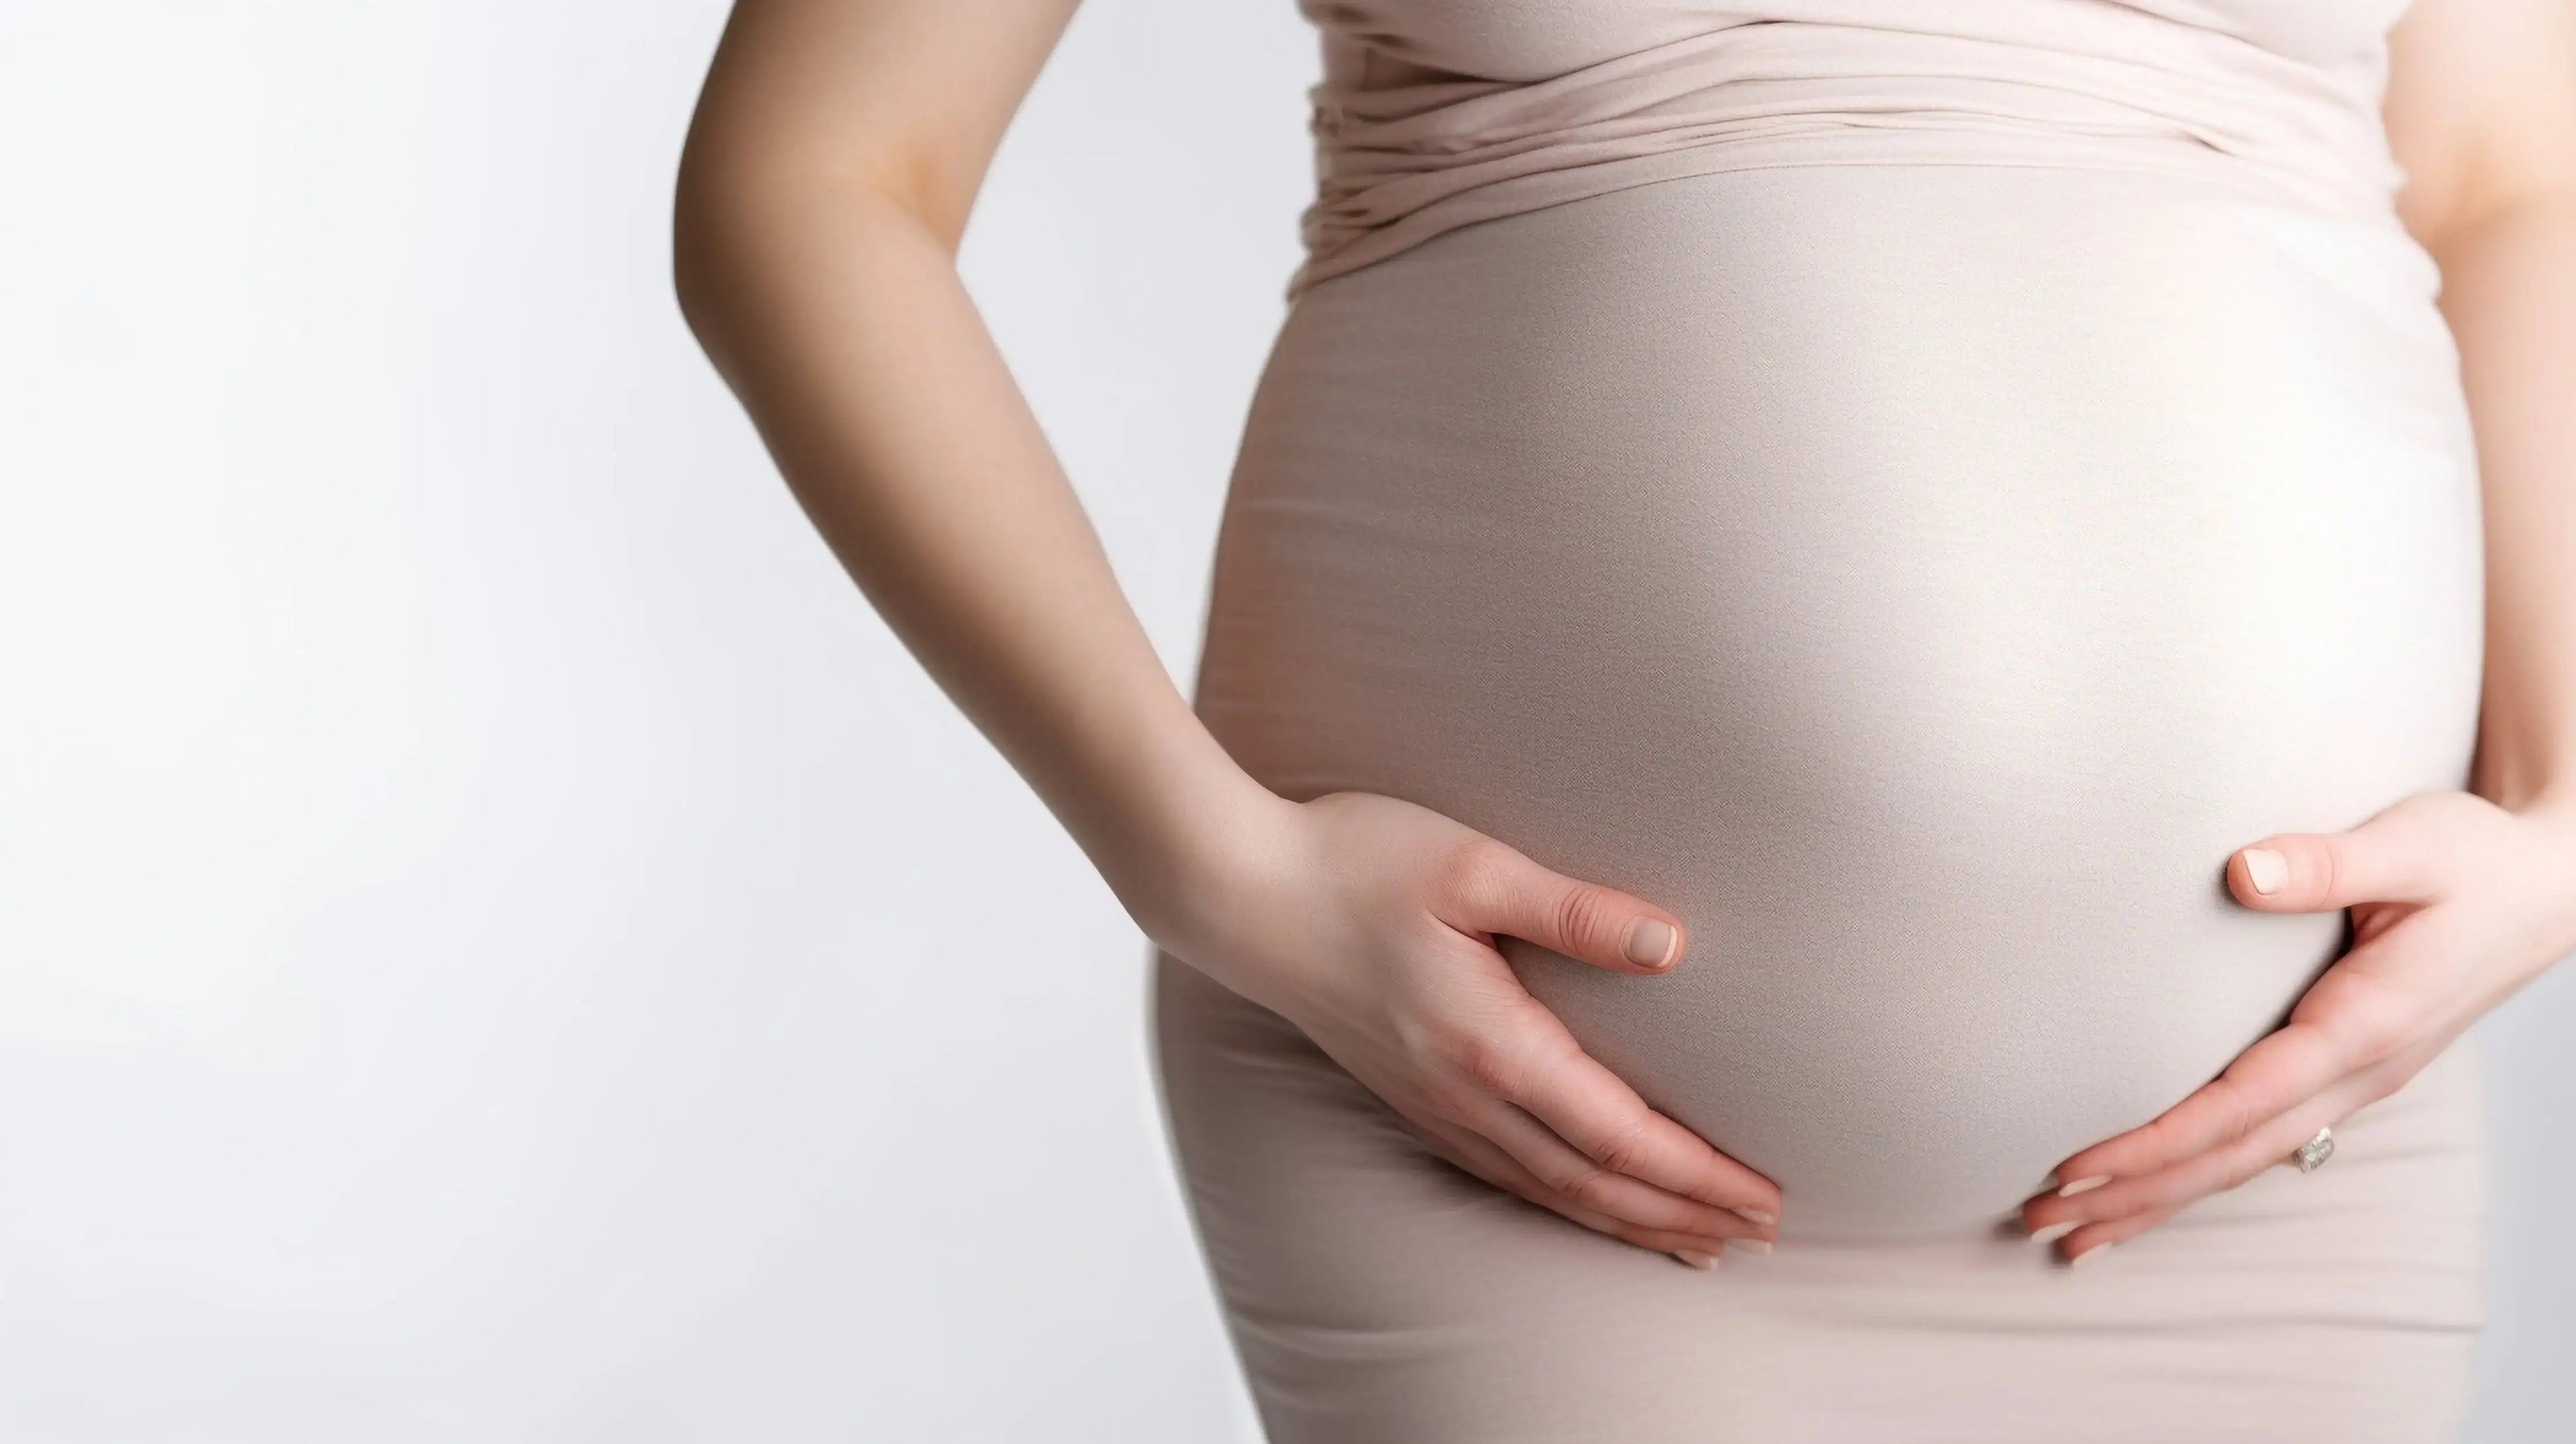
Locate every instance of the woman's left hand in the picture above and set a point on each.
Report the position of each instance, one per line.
(2455, 903)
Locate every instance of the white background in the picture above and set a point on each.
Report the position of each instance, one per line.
(496, 942)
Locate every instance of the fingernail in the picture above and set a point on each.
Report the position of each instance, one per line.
(1750, 1245)
(1650, 941)
(2266, 869)
(2083, 1185)
(2052, 1233)
(1700, 1261)
(1755, 1215)
(2088, 1253)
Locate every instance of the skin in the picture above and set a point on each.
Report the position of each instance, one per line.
(2457, 899)
(827, 179)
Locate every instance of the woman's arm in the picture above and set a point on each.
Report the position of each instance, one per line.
(2457, 899)
(828, 177)
(2482, 115)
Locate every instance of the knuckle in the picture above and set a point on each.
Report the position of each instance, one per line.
(1593, 1188)
(2237, 1112)
(1582, 914)
(2157, 1144)
(1455, 1103)
(2325, 868)
(1472, 871)
(1421, 1041)
(1625, 1147)
(1488, 1062)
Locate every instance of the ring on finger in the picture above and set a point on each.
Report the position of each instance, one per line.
(2312, 1155)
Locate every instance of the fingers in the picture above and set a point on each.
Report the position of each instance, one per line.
(2283, 1070)
(2363, 1027)
(1601, 1118)
(1520, 1104)
(2092, 1212)
(2083, 1243)
(1486, 1160)
(2101, 1214)
(2349, 1020)
(1570, 1174)
(1495, 889)
(1624, 1161)
(2391, 858)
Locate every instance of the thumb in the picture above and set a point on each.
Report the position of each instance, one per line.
(1502, 891)
(2383, 860)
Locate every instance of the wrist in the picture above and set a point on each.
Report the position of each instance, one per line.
(2551, 813)
(1199, 855)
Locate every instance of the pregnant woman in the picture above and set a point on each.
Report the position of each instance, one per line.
(1860, 637)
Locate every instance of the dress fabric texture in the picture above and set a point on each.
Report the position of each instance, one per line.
(1909, 487)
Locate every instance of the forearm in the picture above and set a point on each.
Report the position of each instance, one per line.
(840, 321)
(2509, 290)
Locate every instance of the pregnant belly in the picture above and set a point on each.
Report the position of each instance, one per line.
(1918, 579)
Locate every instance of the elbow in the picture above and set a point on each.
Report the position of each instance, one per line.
(725, 218)
(699, 221)
(739, 232)
(2473, 192)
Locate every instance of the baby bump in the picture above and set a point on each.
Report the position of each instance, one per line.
(1918, 579)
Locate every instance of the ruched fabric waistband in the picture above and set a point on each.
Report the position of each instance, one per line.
(2074, 84)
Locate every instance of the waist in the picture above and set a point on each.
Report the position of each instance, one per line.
(1917, 582)
(2093, 87)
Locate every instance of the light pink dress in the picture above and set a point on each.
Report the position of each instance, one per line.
(1908, 485)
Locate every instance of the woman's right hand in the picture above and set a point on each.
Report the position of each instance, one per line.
(829, 174)
(1369, 923)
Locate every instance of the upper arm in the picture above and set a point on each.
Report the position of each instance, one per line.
(908, 98)
(2481, 109)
